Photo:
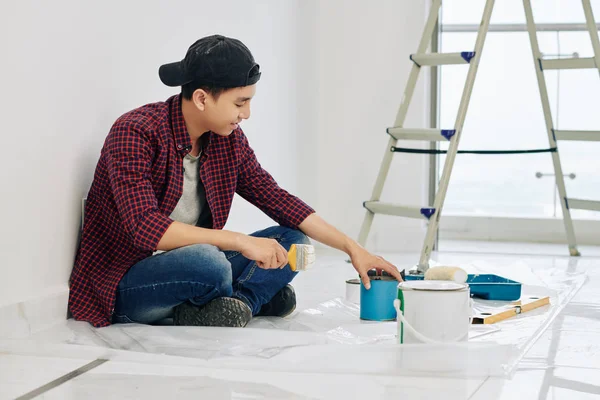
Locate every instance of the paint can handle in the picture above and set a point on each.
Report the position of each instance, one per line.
(417, 334)
(471, 304)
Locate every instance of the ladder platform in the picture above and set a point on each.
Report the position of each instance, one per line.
(432, 135)
(569, 63)
(378, 207)
(584, 136)
(434, 59)
(579, 204)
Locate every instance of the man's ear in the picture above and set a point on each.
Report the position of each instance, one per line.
(199, 97)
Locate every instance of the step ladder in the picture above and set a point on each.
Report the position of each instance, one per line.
(471, 59)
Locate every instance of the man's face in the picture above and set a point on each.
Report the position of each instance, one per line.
(224, 114)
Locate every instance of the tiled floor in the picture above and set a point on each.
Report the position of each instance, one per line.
(20, 374)
(564, 363)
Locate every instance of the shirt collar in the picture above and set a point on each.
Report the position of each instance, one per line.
(183, 142)
(180, 133)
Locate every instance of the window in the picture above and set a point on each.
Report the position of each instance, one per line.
(505, 112)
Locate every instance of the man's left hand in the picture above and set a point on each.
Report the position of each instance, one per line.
(363, 262)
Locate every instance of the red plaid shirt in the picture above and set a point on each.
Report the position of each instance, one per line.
(137, 184)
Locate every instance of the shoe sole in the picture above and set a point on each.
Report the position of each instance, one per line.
(223, 311)
(289, 312)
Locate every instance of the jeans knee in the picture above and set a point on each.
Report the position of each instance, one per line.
(222, 279)
(211, 267)
(303, 239)
(294, 236)
(284, 235)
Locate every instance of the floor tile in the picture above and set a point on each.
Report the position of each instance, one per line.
(21, 374)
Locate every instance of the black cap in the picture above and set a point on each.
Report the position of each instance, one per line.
(215, 61)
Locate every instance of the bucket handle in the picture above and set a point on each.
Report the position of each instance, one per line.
(419, 335)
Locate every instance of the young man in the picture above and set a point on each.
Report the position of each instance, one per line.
(153, 250)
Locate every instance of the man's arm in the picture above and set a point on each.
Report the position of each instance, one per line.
(179, 234)
(318, 229)
(128, 155)
(267, 253)
(258, 187)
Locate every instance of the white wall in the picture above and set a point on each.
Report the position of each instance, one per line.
(69, 68)
(333, 74)
(362, 65)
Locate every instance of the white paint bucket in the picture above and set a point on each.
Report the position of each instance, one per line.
(433, 311)
(353, 291)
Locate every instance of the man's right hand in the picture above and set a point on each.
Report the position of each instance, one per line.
(267, 253)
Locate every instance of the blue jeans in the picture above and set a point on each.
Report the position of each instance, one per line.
(199, 273)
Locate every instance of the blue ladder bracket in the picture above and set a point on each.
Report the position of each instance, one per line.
(427, 212)
(467, 55)
(448, 133)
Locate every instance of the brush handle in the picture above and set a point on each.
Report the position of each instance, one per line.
(301, 257)
(292, 257)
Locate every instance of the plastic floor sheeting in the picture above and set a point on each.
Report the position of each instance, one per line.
(325, 334)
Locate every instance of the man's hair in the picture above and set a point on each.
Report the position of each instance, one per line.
(188, 90)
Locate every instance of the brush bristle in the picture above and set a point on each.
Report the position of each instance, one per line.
(305, 256)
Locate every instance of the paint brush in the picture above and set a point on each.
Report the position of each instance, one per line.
(301, 257)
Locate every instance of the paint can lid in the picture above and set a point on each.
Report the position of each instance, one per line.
(432, 285)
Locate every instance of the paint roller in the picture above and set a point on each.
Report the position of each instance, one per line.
(301, 257)
(455, 274)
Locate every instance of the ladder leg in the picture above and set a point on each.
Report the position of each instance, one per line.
(591, 25)
(400, 117)
(560, 181)
(451, 155)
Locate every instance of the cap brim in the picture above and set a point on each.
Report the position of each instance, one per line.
(172, 74)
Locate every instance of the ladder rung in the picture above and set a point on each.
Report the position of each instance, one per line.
(569, 63)
(378, 207)
(442, 58)
(584, 136)
(433, 135)
(579, 204)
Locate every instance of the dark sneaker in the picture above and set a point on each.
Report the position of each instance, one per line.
(281, 305)
(222, 311)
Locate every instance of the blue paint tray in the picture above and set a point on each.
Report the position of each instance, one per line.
(494, 287)
(487, 286)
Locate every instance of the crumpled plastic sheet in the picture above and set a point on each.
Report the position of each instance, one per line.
(330, 337)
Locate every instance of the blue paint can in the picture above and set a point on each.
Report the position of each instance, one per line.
(377, 304)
